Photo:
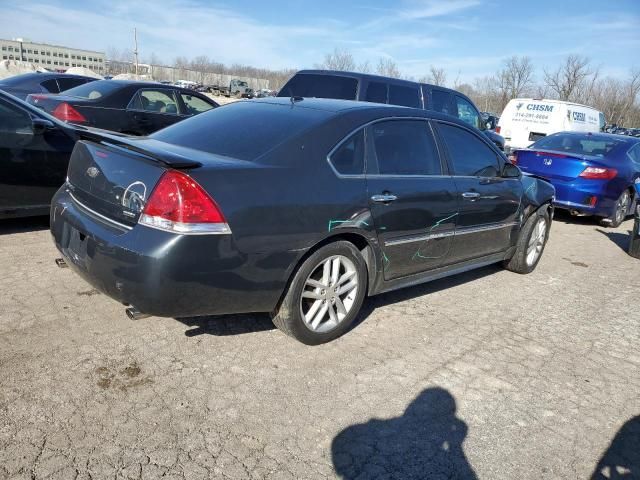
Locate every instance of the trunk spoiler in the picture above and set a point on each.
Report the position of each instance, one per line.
(143, 146)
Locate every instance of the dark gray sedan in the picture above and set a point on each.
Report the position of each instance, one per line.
(300, 208)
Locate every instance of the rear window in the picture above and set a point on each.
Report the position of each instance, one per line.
(94, 90)
(580, 145)
(243, 130)
(321, 86)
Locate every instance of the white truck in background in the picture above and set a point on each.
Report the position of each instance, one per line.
(525, 120)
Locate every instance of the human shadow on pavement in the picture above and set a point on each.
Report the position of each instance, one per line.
(424, 443)
(620, 239)
(621, 461)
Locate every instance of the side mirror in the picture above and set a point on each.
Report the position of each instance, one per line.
(489, 125)
(510, 171)
(40, 125)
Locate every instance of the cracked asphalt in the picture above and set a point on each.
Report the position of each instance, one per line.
(488, 375)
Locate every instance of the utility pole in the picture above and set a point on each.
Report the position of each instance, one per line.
(135, 50)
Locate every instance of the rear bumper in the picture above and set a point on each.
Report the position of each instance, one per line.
(158, 272)
(589, 197)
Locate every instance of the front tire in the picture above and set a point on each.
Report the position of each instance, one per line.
(531, 243)
(325, 295)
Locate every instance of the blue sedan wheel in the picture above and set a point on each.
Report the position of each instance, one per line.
(621, 211)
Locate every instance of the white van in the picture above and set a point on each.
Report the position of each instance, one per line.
(525, 120)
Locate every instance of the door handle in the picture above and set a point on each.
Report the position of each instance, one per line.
(385, 198)
(471, 196)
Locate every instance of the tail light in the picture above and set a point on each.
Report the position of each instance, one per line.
(599, 173)
(178, 204)
(498, 129)
(67, 113)
(513, 158)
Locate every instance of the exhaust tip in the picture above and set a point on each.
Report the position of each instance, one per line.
(134, 314)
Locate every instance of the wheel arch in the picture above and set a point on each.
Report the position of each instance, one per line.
(366, 246)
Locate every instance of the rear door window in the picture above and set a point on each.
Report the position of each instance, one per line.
(470, 156)
(67, 83)
(348, 158)
(634, 154)
(404, 95)
(51, 86)
(321, 86)
(376, 92)
(441, 101)
(405, 147)
(467, 112)
(156, 101)
(194, 104)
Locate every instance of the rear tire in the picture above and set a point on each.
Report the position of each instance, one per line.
(325, 295)
(533, 238)
(621, 211)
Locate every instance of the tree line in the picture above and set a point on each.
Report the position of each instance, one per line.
(575, 79)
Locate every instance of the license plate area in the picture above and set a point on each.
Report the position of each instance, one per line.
(75, 245)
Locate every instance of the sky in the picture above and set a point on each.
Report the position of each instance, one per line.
(468, 38)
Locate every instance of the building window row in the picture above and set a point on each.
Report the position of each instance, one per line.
(54, 54)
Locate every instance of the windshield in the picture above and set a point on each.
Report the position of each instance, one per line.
(242, 130)
(578, 144)
(94, 90)
(320, 86)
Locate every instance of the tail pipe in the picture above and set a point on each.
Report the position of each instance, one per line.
(134, 314)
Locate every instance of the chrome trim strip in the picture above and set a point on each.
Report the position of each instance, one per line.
(433, 236)
(184, 228)
(99, 215)
(419, 238)
(485, 228)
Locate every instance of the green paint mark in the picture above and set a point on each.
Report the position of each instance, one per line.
(436, 225)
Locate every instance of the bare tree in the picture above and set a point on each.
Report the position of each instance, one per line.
(338, 60)
(437, 76)
(618, 99)
(364, 67)
(388, 68)
(201, 64)
(570, 77)
(516, 77)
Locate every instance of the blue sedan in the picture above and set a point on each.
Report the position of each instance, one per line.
(594, 173)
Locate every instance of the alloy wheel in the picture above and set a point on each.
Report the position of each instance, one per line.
(329, 293)
(622, 207)
(536, 241)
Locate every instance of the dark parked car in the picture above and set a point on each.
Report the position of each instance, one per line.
(374, 88)
(297, 208)
(131, 107)
(34, 154)
(22, 85)
(593, 174)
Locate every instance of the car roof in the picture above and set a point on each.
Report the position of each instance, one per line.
(350, 106)
(38, 77)
(375, 78)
